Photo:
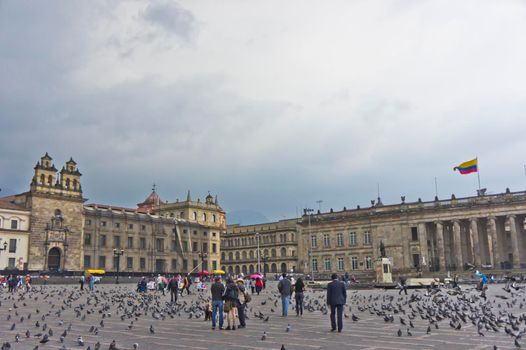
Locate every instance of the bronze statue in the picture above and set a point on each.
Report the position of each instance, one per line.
(382, 249)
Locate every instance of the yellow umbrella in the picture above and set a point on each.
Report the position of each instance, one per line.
(218, 272)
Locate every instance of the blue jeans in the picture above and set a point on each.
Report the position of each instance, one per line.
(285, 301)
(217, 304)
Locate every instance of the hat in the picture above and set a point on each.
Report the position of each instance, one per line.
(240, 280)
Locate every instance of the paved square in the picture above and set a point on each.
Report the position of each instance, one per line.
(55, 307)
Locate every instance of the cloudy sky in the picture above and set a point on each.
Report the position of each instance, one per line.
(271, 105)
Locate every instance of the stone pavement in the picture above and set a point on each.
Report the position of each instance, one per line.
(308, 332)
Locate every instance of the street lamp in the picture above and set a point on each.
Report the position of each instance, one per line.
(309, 212)
(5, 247)
(265, 259)
(202, 255)
(117, 254)
(259, 264)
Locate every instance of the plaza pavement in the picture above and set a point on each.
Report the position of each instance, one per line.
(308, 332)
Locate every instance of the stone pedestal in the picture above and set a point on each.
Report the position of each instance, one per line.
(383, 271)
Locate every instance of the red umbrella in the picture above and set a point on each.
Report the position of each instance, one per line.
(203, 272)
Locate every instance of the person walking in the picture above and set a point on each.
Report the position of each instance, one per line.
(336, 299)
(91, 282)
(403, 285)
(187, 283)
(259, 285)
(299, 289)
(160, 283)
(218, 290)
(173, 287)
(243, 298)
(285, 289)
(231, 301)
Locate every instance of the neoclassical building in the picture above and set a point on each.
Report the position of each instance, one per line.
(486, 231)
(62, 232)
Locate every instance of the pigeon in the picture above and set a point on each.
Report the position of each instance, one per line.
(288, 328)
(80, 341)
(152, 331)
(264, 336)
(409, 333)
(135, 346)
(113, 345)
(44, 339)
(399, 333)
(283, 347)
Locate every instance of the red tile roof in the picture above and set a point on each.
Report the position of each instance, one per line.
(8, 203)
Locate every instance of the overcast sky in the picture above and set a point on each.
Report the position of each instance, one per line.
(271, 105)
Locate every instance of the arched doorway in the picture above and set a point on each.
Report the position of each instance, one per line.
(283, 267)
(53, 259)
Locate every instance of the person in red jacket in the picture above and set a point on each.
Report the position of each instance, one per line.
(259, 285)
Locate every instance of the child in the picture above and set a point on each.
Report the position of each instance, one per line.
(208, 312)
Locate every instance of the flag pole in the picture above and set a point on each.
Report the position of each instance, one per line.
(436, 187)
(478, 171)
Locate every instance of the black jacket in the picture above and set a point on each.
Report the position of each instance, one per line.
(336, 293)
(217, 289)
(231, 292)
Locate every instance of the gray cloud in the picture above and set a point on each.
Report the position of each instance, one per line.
(301, 114)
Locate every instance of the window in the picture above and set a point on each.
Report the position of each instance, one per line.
(102, 240)
(185, 246)
(314, 264)
(87, 239)
(354, 262)
(352, 238)
(327, 264)
(283, 251)
(129, 263)
(14, 224)
(194, 263)
(194, 246)
(339, 239)
(341, 264)
(102, 262)
(11, 263)
(87, 260)
(103, 223)
(326, 240)
(174, 245)
(205, 247)
(174, 230)
(185, 231)
(313, 241)
(159, 244)
(214, 248)
(204, 217)
(195, 232)
(142, 243)
(213, 217)
(117, 225)
(367, 238)
(130, 226)
(194, 215)
(12, 245)
(213, 234)
(214, 265)
(142, 263)
(116, 241)
(368, 262)
(130, 242)
(414, 233)
(88, 222)
(116, 261)
(143, 227)
(185, 265)
(174, 264)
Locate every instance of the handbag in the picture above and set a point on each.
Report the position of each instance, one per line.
(248, 298)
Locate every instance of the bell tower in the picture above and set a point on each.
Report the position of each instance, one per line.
(45, 178)
(70, 179)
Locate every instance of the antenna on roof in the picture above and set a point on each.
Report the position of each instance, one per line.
(154, 186)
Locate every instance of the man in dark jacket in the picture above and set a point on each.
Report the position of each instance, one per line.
(173, 287)
(217, 290)
(336, 299)
(285, 289)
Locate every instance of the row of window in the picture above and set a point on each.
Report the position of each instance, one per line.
(263, 239)
(131, 261)
(367, 239)
(13, 224)
(159, 243)
(340, 263)
(117, 225)
(253, 254)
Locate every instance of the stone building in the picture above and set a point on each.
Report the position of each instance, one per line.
(64, 233)
(14, 234)
(442, 235)
(277, 248)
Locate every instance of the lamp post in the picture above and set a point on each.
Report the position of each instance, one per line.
(265, 259)
(5, 247)
(309, 212)
(259, 264)
(117, 254)
(202, 255)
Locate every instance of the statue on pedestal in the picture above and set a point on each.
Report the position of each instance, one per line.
(382, 249)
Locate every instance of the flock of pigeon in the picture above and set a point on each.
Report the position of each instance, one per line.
(27, 327)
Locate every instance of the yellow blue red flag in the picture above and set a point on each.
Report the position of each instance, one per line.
(467, 167)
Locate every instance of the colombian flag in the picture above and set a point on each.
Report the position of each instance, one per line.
(467, 167)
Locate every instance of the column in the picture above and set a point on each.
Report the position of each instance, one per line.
(440, 244)
(457, 245)
(422, 236)
(493, 242)
(475, 242)
(514, 241)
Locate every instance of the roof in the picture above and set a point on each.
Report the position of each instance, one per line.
(8, 203)
(152, 199)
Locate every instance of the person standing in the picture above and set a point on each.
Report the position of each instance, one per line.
(82, 280)
(218, 290)
(285, 289)
(259, 285)
(336, 299)
(231, 301)
(173, 287)
(187, 283)
(299, 289)
(91, 282)
(243, 300)
(403, 285)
